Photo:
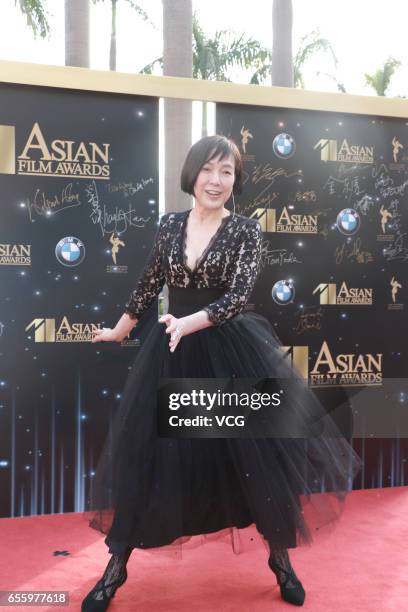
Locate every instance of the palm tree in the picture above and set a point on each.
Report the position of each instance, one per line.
(381, 78)
(311, 44)
(177, 61)
(139, 11)
(213, 58)
(36, 15)
(77, 33)
(282, 63)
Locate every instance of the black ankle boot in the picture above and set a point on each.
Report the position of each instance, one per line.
(291, 588)
(114, 576)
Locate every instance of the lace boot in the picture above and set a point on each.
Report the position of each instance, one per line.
(290, 586)
(114, 576)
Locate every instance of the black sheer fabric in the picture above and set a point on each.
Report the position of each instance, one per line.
(156, 493)
(229, 262)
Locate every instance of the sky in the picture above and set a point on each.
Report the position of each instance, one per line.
(363, 33)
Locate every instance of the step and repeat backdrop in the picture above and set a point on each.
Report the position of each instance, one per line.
(79, 211)
(330, 192)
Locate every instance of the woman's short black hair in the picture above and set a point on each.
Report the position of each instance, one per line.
(203, 151)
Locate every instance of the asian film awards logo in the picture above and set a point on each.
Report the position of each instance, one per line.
(15, 254)
(47, 330)
(331, 151)
(57, 157)
(352, 296)
(333, 370)
(285, 222)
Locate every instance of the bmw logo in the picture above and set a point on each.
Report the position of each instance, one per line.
(284, 146)
(70, 251)
(283, 292)
(348, 221)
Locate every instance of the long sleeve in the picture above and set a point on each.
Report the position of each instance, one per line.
(151, 280)
(242, 279)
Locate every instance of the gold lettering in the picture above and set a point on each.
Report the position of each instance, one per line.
(104, 155)
(57, 149)
(82, 152)
(41, 144)
(64, 327)
(324, 357)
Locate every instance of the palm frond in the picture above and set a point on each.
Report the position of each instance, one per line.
(340, 86)
(213, 57)
(381, 78)
(36, 16)
(309, 45)
(141, 12)
(148, 69)
(136, 7)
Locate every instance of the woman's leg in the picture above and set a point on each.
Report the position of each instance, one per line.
(114, 576)
(291, 588)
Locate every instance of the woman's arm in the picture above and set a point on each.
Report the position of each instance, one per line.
(151, 280)
(122, 329)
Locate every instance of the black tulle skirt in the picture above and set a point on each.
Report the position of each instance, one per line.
(156, 493)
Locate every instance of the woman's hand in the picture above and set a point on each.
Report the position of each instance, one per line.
(106, 334)
(175, 328)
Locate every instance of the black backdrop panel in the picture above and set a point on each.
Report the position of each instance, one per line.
(330, 191)
(79, 210)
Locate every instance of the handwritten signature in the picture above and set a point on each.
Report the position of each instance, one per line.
(129, 189)
(348, 186)
(352, 253)
(268, 173)
(309, 321)
(386, 192)
(277, 256)
(118, 221)
(397, 250)
(43, 204)
(305, 196)
(365, 204)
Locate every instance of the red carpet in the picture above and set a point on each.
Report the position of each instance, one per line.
(361, 567)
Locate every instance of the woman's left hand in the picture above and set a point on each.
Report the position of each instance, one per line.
(175, 328)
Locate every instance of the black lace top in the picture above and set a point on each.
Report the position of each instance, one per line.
(230, 261)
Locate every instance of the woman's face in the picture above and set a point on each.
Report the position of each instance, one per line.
(215, 182)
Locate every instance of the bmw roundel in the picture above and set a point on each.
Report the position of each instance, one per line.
(283, 292)
(348, 221)
(70, 251)
(284, 146)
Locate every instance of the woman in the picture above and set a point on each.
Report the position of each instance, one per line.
(152, 491)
